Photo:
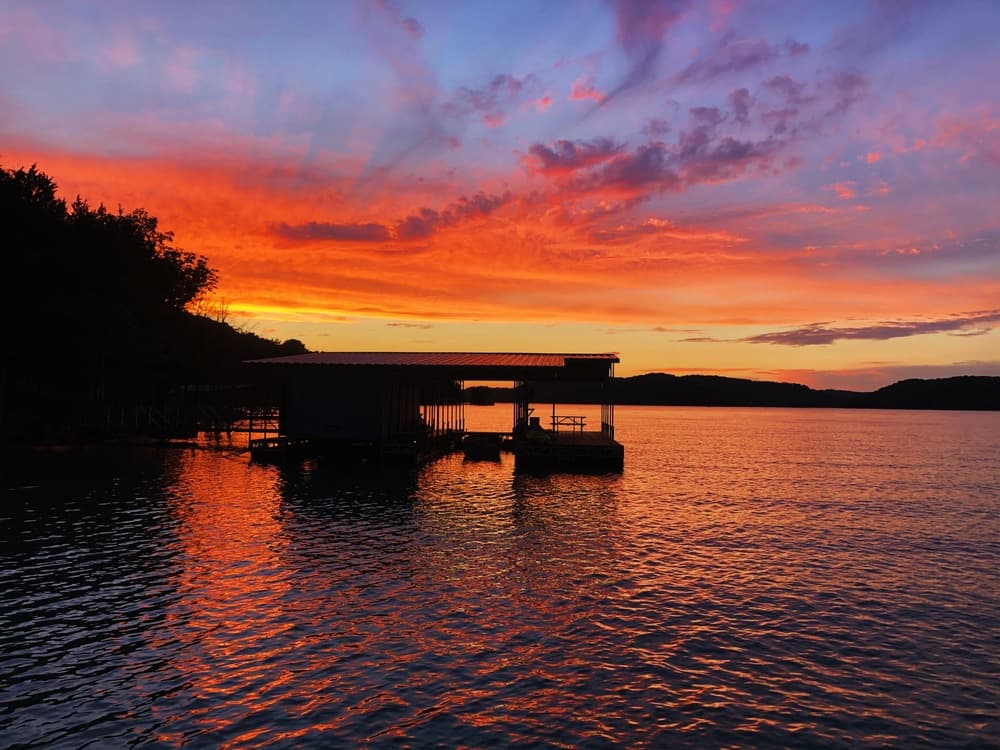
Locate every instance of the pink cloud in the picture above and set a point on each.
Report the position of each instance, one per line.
(873, 157)
(410, 26)
(237, 82)
(181, 71)
(845, 190)
(30, 33)
(721, 10)
(976, 134)
(583, 88)
(880, 188)
(121, 53)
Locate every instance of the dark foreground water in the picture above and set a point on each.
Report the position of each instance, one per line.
(768, 578)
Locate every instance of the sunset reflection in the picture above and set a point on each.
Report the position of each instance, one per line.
(228, 620)
(710, 592)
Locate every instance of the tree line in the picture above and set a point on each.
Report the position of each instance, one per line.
(98, 309)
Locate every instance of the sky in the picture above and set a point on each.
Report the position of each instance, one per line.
(798, 191)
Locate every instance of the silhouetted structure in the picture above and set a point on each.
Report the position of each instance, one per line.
(410, 404)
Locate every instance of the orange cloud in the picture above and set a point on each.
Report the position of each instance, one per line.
(664, 229)
(540, 256)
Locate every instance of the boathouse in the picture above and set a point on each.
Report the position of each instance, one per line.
(411, 404)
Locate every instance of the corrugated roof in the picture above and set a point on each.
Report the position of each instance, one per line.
(435, 359)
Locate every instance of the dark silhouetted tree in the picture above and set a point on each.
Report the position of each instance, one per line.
(98, 303)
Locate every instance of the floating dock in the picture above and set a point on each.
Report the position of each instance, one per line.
(577, 452)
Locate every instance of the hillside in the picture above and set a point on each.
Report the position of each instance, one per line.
(963, 392)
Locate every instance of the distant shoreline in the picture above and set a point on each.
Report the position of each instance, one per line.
(960, 393)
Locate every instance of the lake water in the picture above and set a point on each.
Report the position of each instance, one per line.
(755, 577)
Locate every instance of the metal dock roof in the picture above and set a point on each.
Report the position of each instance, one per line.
(435, 359)
(459, 365)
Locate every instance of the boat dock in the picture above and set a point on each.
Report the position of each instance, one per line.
(410, 407)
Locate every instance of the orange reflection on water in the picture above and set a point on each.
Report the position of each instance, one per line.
(223, 622)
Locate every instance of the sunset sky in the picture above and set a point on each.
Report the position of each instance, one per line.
(778, 190)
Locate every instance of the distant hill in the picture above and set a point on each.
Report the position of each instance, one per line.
(963, 392)
(714, 390)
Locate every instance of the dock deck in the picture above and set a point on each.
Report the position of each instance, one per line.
(570, 451)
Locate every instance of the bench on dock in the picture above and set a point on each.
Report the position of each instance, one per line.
(575, 423)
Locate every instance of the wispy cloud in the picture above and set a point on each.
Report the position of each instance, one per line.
(182, 71)
(416, 226)
(420, 326)
(642, 27)
(976, 135)
(317, 230)
(411, 26)
(846, 88)
(665, 229)
(493, 100)
(427, 221)
(120, 52)
(714, 146)
(417, 127)
(584, 88)
(823, 333)
(733, 55)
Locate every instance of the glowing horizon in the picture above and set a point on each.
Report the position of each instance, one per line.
(801, 193)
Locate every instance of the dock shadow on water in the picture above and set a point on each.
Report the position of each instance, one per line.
(724, 589)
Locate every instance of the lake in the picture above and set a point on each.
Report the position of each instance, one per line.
(755, 577)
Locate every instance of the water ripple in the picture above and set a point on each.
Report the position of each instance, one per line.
(766, 578)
